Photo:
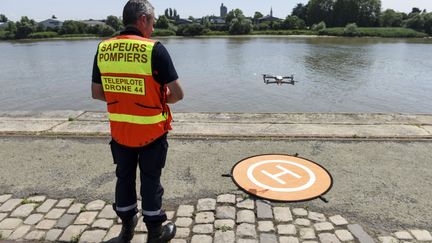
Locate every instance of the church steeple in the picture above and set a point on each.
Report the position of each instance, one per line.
(271, 12)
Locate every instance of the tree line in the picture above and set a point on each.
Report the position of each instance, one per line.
(363, 13)
(314, 16)
(29, 28)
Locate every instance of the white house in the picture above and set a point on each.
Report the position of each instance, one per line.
(216, 20)
(51, 23)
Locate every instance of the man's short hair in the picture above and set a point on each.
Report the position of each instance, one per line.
(135, 9)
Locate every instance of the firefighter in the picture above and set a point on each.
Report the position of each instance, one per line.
(136, 77)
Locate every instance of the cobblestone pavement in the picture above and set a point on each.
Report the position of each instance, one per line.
(228, 218)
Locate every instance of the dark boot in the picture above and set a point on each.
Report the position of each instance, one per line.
(161, 234)
(128, 229)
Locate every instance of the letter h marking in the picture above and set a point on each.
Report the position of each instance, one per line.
(284, 172)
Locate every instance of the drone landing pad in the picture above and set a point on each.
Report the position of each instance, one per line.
(282, 178)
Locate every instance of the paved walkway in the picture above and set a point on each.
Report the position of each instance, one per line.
(228, 218)
(231, 217)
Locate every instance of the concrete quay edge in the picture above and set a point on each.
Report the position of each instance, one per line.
(230, 125)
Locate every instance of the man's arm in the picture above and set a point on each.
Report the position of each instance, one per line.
(96, 87)
(97, 92)
(175, 92)
(164, 73)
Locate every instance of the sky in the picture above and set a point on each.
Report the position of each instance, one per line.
(99, 9)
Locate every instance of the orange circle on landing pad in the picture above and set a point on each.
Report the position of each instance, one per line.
(282, 178)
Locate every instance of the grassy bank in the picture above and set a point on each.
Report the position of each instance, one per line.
(267, 32)
(358, 32)
(47, 35)
(284, 32)
(374, 32)
(340, 31)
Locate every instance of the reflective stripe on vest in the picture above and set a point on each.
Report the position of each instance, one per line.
(137, 107)
(141, 120)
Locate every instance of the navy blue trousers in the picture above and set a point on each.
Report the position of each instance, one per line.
(150, 159)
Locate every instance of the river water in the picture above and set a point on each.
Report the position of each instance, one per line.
(223, 74)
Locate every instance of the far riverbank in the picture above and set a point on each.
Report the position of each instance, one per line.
(257, 35)
(327, 32)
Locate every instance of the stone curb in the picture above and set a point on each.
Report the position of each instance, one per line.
(228, 218)
(232, 125)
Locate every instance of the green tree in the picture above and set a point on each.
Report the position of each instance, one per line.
(369, 13)
(351, 29)
(171, 14)
(55, 29)
(428, 23)
(205, 21)
(277, 25)
(263, 26)
(363, 12)
(415, 11)
(69, 27)
(114, 22)
(293, 22)
(345, 11)
(99, 29)
(191, 30)
(106, 30)
(74, 27)
(3, 18)
(240, 26)
(416, 22)
(320, 10)
(11, 28)
(40, 28)
(390, 18)
(320, 26)
(162, 22)
(301, 11)
(95, 29)
(175, 15)
(25, 27)
(257, 16)
(233, 14)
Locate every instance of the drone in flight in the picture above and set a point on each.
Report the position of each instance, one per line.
(279, 80)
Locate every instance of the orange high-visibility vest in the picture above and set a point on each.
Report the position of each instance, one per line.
(136, 103)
